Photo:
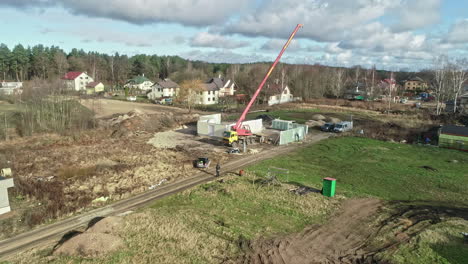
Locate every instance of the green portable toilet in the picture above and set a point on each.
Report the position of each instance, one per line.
(329, 185)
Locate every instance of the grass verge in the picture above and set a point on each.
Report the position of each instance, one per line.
(367, 167)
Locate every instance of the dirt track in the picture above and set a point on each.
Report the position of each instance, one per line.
(109, 107)
(341, 240)
(48, 234)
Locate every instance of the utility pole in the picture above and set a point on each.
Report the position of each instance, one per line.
(373, 81)
(6, 127)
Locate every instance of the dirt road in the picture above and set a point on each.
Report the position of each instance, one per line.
(341, 240)
(50, 234)
(109, 107)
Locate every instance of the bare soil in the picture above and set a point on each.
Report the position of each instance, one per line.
(100, 239)
(108, 107)
(341, 240)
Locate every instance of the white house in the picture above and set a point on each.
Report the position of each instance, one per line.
(9, 88)
(163, 88)
(227, 89)
(210, 95)
(279, 95)
(139, 82)
(77, 81)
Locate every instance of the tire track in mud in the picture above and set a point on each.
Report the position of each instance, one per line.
(49, 234)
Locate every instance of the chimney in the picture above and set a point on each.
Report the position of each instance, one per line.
(219, 76)
(143, 75)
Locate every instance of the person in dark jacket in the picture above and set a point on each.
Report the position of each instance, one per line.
(218, 168)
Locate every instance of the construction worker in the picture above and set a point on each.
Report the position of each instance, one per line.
(218, 168)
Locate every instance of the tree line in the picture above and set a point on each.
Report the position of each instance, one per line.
(307, 81)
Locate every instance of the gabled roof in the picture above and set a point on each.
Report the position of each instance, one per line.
(167, 83)
(92, 84)
(274, 89)
(455, 130)
(415, 79)
(71, 75)
(214, 84)
(138, 80)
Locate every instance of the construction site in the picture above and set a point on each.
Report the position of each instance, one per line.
(299, 182)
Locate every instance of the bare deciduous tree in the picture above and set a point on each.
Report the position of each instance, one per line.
(458, 76)
(190, 93)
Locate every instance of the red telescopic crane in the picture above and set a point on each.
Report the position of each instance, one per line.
(238, 127)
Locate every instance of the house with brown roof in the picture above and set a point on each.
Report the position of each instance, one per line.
(94, 87)
(163, 89)
(77, 81)
(278, 94)
(210, 94)
(415, 84)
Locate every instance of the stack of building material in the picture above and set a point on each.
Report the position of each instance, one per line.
(290, 131)
(5, 183)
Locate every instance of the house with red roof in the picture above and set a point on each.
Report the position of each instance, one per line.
(77, 81)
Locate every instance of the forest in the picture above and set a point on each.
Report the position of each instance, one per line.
(49, 63)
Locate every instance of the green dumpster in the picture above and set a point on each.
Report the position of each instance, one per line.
(329, 185)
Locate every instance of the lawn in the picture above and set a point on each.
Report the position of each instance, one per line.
(212, 222)
(215, 221)
(366, 167)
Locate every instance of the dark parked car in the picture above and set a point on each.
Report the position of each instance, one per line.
(328, 127)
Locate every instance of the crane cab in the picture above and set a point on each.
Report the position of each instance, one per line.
(230, 137)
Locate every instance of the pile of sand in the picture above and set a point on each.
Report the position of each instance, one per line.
(168, 139)
(98, 240)
(318, 117)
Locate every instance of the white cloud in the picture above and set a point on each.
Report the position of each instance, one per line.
(322, 20)
(277, 44)
(206, 39)
(458, 32)
(186, 12)
(224, 56)
(376, 37)
(415, 14)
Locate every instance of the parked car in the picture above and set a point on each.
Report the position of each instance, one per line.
(328, 127)
(202, 163)
(343, 127)
(163, 101)
(132, 98)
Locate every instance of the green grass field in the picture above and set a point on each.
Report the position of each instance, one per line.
(365, 167)
(216, 219)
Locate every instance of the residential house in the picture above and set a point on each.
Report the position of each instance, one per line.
(5, 183)
(163, 89)
(454, 137)
(210, 95)
(276, 94)
(415, 84)
(9, 88)
(355, 91)
(227, 89)
(94, 87)
(77, 81)
(139, 82)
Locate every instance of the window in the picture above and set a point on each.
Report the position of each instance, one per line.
(81, 77)
(214, 99)
(209, 99)
(86, 77)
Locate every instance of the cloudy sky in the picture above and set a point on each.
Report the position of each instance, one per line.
(393, 34)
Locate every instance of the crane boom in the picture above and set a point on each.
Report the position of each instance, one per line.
(238, 125)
